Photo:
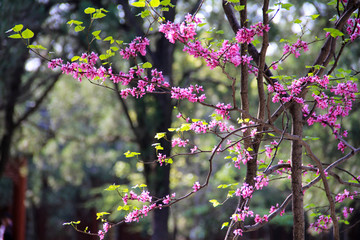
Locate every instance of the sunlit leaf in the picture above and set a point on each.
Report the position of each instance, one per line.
(36, 47)
(225, 224)
(147, 65)
(17, 35)
(18, 28)
(154, 3)
(334, 32)
(140, 3)
(79, 28)
(27, 33)
(89, 10)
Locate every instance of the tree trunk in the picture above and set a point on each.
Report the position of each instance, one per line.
(296, 174)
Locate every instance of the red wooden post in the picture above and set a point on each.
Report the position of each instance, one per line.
(17, 171)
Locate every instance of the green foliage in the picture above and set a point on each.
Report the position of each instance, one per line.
(334, 32)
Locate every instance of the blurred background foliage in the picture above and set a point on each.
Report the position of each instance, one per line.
(74, 134)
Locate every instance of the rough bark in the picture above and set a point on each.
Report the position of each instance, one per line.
(296, 174)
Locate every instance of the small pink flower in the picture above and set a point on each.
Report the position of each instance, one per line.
(196, 186)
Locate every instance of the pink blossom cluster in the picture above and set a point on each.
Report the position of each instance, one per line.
(223, 110)
(261, 181)
(168, 199)
(296, 47)
(199, 127)
(243, 155)
(161, 159)
(346, 211)
(353, 28)
(238, 232)
(322, 223)
(179, 142)
(221, 125)
(274, 208)
(180, 32)
(190, 93)
(283, 170)
(101, 233)
(229, 52)
(268, 151)
(137, 45)
(335, 107)
(196, 186)
(342, 196)
(245, 191)
(246, 35)
(136, 214)
(143, 197)
(295, 88)
(242, 214)
(85, 67)
(259, 219)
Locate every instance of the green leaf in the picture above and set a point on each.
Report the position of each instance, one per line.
(96, 33)
(239, 7)
(255, 42)
(18, 28)
(287, 6)
(74, 22)
(103, 57)
(114, 48)
(249, 149)
(225, 224)
(334, 32)
(27, 33)
(17, 35)
(36, 47)
(110, 39)
(154, 3)
(129, 154)
(165, 2)
(332, 2)
(214, 202)
(119, 42)
(220, 32)
(98, 15)
(112, 187)
(147, 65)
(140, 3)
(297, 21)
(314, 16)
(201, 24)
(158, 146)
(185, 127)
(311, 205)
(145, 13)
(272, 135)
(89, 10)
(75, 58)
(79, 28)
(160, 135)
(269, 11)
(101, 214)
